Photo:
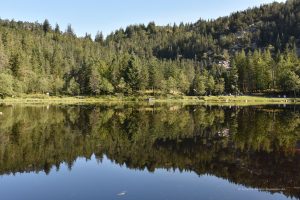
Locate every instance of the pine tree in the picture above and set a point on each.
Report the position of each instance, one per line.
(6, 85)
(73, 87)
(57, 29)
(132, 73)
(199, 84)
(14, 63)
(70, 31)
(46, 26)
(99, 37)
(3, 57)
(234, 78)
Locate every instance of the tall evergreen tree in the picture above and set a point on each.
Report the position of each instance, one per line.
(46, 26)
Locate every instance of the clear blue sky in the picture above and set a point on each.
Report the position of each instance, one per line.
(109, 15)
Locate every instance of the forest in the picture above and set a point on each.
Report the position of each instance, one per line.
(248, 52)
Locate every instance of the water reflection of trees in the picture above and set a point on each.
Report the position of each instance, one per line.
(250, 146)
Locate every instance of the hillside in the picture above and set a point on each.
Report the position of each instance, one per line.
(247, 52)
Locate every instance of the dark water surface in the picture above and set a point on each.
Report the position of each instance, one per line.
(149, 152)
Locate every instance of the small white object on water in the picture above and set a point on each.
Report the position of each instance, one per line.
(1, 113)
(122, 193)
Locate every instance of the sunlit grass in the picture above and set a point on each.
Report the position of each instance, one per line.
(222, 100)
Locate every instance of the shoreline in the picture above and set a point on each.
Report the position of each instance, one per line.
(222, 100)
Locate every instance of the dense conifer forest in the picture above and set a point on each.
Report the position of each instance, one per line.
(253, 51)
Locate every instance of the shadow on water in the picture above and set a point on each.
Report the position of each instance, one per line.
(258, 147)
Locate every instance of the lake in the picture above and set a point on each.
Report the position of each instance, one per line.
(146, 152)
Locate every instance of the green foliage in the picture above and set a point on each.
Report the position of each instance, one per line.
(219, 87)
(199, 85)
(132, 74)
(210, 84)
(3, 57)
(99, 38)
(46, 26)
(73, 87)
(14, 63)
(98, 82)
(233, 78)
(70, 31)
(246, 52)
(57, 85)
(6, 85)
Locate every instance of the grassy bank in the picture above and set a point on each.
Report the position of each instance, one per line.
(231, 100)
(44, 99)
(249, 99)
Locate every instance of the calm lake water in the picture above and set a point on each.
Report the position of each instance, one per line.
(149, 152)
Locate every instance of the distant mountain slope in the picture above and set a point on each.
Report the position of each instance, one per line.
(276, 24)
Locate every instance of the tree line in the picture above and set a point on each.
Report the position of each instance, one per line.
(247, 52)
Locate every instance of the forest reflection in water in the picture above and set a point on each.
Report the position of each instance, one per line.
(257, 147)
